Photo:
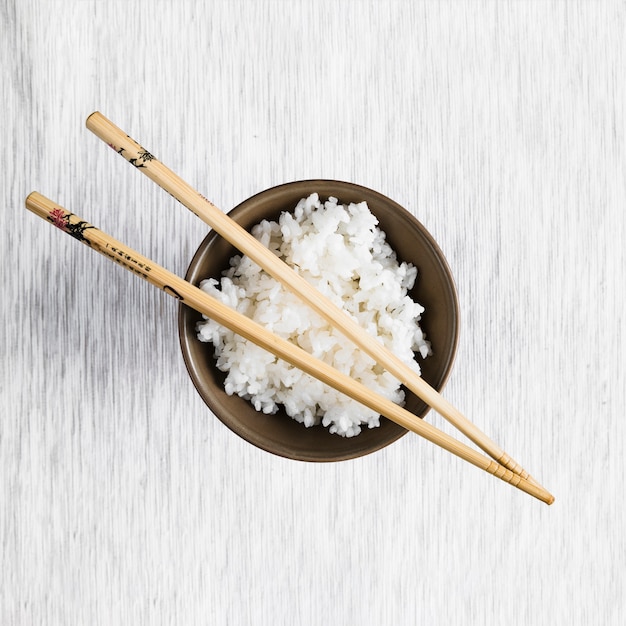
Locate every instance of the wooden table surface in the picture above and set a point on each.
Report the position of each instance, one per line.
(499, 125)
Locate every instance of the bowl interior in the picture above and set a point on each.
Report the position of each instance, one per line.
(434, 289)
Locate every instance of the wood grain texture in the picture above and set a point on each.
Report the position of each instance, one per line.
(500, 125)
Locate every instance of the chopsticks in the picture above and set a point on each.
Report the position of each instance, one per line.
(145, 162)
(201, 301)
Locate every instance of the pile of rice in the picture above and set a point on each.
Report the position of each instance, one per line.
(341, 250)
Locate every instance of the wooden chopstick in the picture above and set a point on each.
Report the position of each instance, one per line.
(246, 243)
(201, 301)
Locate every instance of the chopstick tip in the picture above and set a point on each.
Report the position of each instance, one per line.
(90, 116)
(30, 199)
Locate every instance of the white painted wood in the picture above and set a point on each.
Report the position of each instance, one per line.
(499, 125)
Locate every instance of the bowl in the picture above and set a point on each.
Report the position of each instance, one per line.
(434, 289)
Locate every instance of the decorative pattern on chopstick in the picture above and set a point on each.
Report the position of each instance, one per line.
(63, 220)
(238, 323)
(247, 244)
(143, 156)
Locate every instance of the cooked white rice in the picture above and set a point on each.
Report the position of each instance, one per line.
(339, 249)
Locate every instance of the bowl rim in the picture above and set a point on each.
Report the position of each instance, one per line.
(185, 339)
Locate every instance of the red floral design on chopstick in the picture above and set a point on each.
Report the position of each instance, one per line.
(61, 219)
(57, 217)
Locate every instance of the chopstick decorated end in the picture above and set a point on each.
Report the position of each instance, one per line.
(58, 216)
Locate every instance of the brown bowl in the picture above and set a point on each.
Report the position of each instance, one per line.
(434, 289)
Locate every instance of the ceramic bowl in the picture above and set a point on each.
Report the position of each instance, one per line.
(434, 289)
